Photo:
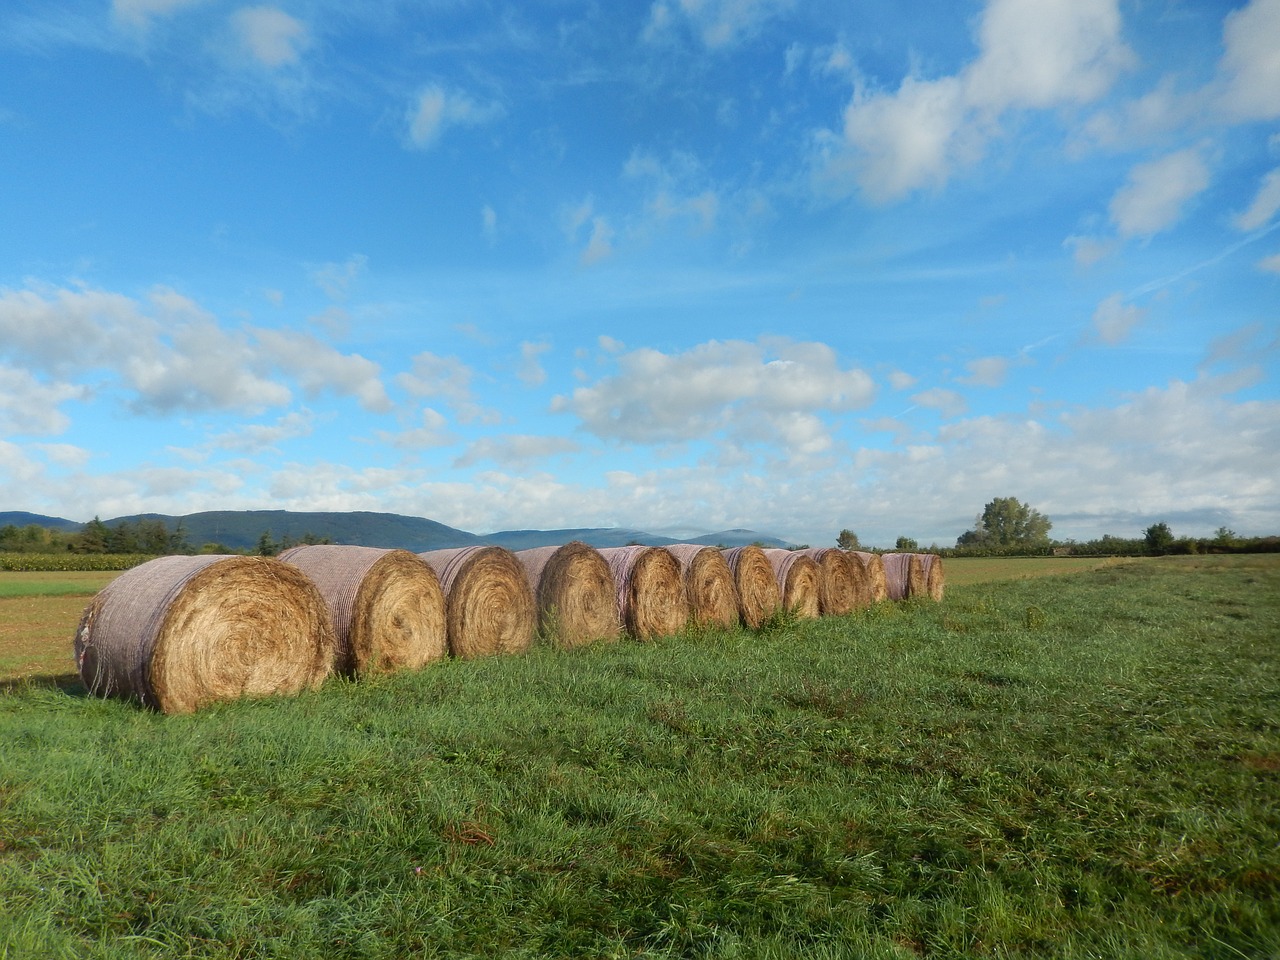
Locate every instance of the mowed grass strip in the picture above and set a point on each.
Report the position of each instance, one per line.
(1073, 767)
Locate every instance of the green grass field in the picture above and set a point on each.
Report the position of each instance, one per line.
(1077, 766)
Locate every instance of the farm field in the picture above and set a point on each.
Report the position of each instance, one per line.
(1076, 766)
(39, 610)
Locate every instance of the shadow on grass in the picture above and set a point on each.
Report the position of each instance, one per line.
(68, 683)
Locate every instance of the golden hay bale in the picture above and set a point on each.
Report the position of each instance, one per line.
(387, 606)
(934, 580)
(799, 580)
(650, 591)
(873, 567)
(845, 584)
(180, 633)
(708, 584)
(758, 594)
(489, 608)
(904, 575)
(574, 591)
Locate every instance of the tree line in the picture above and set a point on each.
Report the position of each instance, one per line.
(1007, 527)
(145, 536)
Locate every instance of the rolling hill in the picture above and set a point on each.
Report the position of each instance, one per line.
(242, 530)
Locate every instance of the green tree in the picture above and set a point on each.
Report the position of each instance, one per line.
(1007, 521)
(266, 546)
(1159, 538)
(1225, 537)
(848, 540)
(92, 538)
(906, 544)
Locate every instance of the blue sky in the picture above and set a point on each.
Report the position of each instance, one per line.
(675, 265)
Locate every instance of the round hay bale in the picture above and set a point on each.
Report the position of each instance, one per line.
(904, 575)
(650, 590)
(574, 591)
(758, 594)
(845, 585)
(873, 566)
(489, 607)
(934, 581)
(387, 606)
(708, 584)
(799, 581)
(180, 633)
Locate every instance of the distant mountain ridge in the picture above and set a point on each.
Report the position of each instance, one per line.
(242, 530)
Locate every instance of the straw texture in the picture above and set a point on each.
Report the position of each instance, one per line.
(489, 607)
(180, 633)
(844, 584)
(708, 584)
(387, 606)
(650, 593)
(904, 575)
(574, 591)
(873, 567)
(799, 581)
(758, 593)
(934, 580)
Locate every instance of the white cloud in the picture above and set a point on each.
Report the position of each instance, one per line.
(1270, 264)
(530, 372)
(986, 372)
(1114, 319)
(600, 244)
(141, 12)
(718, 23)
(171, 354)
(946, 402)
(901, 381)
(515, 450)
(30, 406)
(436, 376)
(720, 387)
(320, 368)
(270, 36)
(489, 222)
(1157, 191)
(435, 110)
(336, 279)
(1265, 203)
(1250, 67)
(1086, 251)
(1041, 53)
(910, 139)
(257, 438)
(432, 432)
(1033, 54)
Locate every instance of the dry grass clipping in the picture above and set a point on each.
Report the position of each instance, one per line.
(650, 594)
(387, 606)
(873, 567)
(180, 633)
(758, 593)
(708, 584)
(489, 607)
(574, 591)
(799, 580)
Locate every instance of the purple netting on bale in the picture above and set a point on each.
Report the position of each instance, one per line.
(179, 633)
(574, 591)
(387, 606)
(650, 594)
(708, 584)
(489, 607)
